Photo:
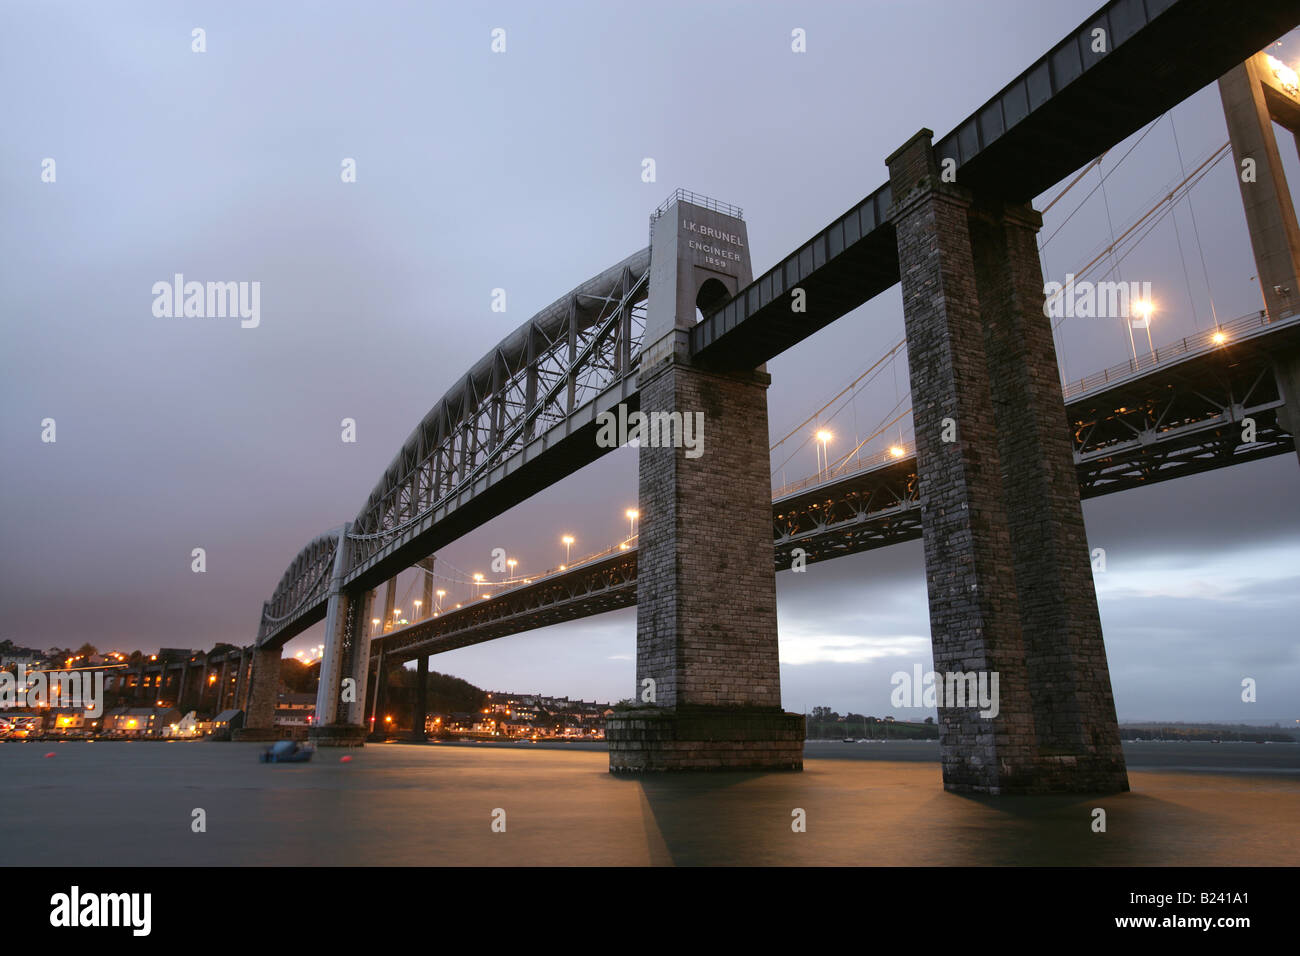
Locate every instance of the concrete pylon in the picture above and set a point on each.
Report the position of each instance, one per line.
(1008, 575)
(708, 680)
(1254, 98)
(421, 698)
(426, 566)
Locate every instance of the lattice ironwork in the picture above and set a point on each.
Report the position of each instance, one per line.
(304, 583)
(535, 379)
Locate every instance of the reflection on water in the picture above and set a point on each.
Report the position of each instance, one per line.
(132, 803)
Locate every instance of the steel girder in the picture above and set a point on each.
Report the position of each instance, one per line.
(1186, 416)
(303, 587)
(581, 591)
(534, 379)
(583, 346)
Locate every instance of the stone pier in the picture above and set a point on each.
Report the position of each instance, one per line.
(1007, 562)
(264, 685)
(708, 689)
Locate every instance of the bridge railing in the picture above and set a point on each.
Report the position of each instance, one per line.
(695, 199)
(1217, 337)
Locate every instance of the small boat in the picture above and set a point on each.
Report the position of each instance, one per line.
(286, 751)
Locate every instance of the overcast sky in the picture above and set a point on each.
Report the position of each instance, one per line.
(522, 170)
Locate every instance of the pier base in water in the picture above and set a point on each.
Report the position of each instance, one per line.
(661, 738)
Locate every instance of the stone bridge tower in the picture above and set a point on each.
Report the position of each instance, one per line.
(708, 680)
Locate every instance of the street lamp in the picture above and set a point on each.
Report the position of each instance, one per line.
(374, 623)
(632, 514)
(511, 562)
(438, 607)
(1142, 308)
(823, 436)
(478, 582)
(567, 541)
(417, 608)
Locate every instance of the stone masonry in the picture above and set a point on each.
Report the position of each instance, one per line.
(1009, 581)
(706, 588)
(259, 717)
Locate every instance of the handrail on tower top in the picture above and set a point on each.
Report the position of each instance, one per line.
(695, 199)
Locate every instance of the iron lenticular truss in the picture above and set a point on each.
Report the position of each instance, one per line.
(304, 583)
(534, 379)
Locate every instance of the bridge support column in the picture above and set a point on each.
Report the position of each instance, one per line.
(347, 631)
(421, 698)
(264, 685)
(426, 566)
(378, 726)
(1008, 573)
(1252, 101)
(1287, 369)
(708, 678)
(341, 694)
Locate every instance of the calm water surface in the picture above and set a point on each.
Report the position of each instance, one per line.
(132, 804)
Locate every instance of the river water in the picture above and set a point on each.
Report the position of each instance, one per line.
(135, 803)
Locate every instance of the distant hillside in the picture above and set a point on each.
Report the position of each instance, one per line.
(1177, 730)
(446, 694)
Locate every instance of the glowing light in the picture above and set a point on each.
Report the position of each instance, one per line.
(1218, 338)
(1143, 308)
(1286, 76)
(824, 436)
(898, 451)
